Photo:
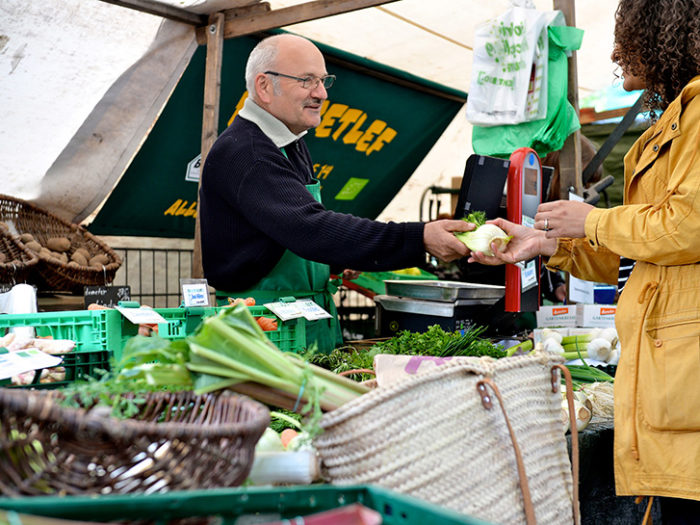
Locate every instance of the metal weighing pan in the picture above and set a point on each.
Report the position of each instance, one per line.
(444, 291)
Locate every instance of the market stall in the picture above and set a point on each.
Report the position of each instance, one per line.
(467, 404)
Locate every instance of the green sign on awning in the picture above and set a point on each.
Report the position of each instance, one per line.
(377, 126)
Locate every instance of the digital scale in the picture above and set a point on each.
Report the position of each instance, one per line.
(416, 305)
(524, 195)
(511, 189)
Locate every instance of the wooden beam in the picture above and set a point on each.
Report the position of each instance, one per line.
(210, 117)
(589, 115)
(240, 22)
(570, 166)
(159, 9)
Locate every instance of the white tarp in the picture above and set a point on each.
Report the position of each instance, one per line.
(82, 81)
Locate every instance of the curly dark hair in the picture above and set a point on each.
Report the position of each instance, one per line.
(659, 42)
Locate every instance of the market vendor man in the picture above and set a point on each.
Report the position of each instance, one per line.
(264, 232)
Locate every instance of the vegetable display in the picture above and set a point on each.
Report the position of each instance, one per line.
(230, 350)
(433, 342)
(481, 238)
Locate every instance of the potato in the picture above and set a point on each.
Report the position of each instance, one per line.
(79, 258)
(99, 260)
(35, 246)
(4, 227)
(84, 252)
(73, 264)
(26, 237)
(45, 253)
(3, 257)
(58, 244)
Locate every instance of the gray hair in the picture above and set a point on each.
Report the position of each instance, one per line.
(261, 59)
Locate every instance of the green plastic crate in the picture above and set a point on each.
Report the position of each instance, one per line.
(97, 334)
(372, 283)
(239, 505)
(290, 336)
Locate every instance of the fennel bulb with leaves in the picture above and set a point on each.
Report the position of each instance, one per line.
(481, 238)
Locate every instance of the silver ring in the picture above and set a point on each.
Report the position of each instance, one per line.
(546, 225)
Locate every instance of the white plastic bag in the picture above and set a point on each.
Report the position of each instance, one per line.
(509, 71)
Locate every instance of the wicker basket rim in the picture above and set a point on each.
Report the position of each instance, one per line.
(42, 404)
(72, 226)
(32, 258)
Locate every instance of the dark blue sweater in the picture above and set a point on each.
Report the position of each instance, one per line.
(254, 205)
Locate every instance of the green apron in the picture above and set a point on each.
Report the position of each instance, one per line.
(302, 279)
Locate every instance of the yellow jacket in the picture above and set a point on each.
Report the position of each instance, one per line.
(657, 383)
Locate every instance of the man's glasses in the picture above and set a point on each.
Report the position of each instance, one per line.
(309, 82)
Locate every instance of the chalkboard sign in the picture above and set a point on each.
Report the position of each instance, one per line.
(106, 295)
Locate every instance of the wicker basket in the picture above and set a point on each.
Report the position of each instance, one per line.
(24, 217)
(18, 260)
(178, 441)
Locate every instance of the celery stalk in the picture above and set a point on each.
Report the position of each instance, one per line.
(232, 345)
(252, 347)
(245, 372)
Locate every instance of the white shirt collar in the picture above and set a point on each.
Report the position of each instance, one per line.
(270, 125)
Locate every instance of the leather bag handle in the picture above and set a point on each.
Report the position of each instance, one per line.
(529, 508)
(572, 427)
(522, 477)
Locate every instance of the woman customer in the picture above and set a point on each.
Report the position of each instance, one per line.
(655, 234)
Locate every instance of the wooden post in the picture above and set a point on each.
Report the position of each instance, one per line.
(210, 116)
(570, 166)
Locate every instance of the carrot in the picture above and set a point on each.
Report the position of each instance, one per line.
(287, 435)
(148, 329)
(267, 324)
(248, 301)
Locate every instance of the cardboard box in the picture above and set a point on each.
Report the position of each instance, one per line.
(596, 315)
(556, 315)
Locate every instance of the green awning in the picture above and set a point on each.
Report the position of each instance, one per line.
(378, 125)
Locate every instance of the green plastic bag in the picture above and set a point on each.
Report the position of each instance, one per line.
(544, 135)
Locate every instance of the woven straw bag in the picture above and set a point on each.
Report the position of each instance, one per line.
(478, 435)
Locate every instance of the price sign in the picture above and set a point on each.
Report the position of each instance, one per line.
(195, 292)
(14, 363)
(106, 295)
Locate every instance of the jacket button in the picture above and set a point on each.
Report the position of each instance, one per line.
(656, 147)
(674, 126)
(658, 343)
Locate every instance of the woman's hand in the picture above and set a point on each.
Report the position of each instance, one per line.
(562, 218)
(525, 244)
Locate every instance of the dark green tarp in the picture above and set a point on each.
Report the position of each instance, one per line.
(378, 125)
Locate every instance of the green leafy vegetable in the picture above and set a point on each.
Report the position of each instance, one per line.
(434, 342)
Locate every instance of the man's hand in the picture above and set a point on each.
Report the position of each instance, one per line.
(525, 244)
(440, 242)
(350, 275)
